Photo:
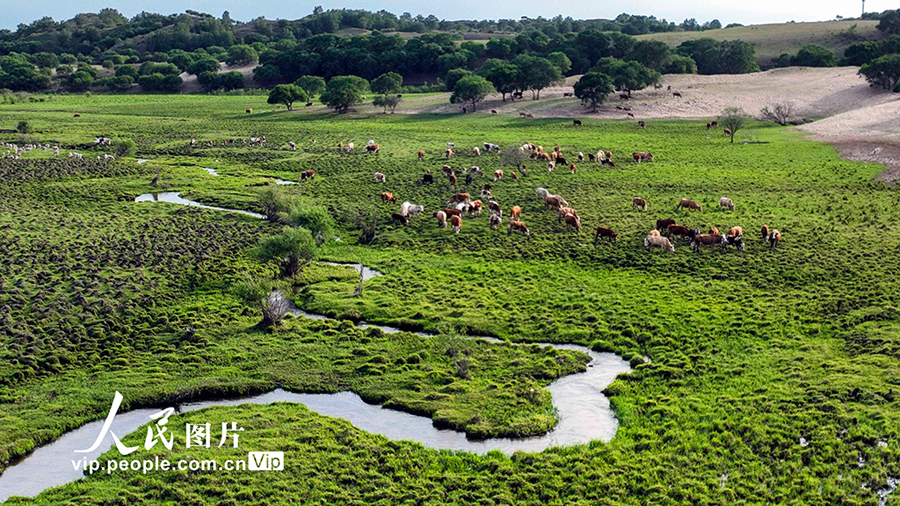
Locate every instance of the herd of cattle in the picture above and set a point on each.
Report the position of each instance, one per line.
(462, 205)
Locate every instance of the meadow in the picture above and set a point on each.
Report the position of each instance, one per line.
(759, 377)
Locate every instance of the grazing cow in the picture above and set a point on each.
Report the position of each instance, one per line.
(660, 242)
(448, 153)
(451, 145)
(372, 148)
(349, 147)
(553, 201)
(573, 169)
(669, 88)
(592, 157)
(676, 94)
(663, 224)
(446, 170)
(490, 147)
(427, 179)
(726, 132)
(459, 197)
(563, 211)
(654, 232)
(249, 111)
(580, 156)
(573, 221)
(494, 208)
(560, 160)
(77, 115)
(399, 217)
(495, 222)
(493, 111)
(474, 208)
(568, 94)
(309, 104)
(630, 115)
(498, 174)
(605, 232)
(513, 176)
(379, 178)
(542, 193)
(712, 240)
(774, 239)
(517, 226)
(726, 203)
(736, 241)
(293, 146)
(736, 231)
(307, 174)
(469, 178)
(453, 212)
(708, 126)
(487, 186)
(486, 193)
(714, 230)
(421, 155)
(714, 124)
(526, 115)
(456, 223)
(576, 122)
(639, 203)
(476, 151)
(642, 124)
(515, 213)
(689, 204)
(441, 217)
(550, 166)
(408, 208)
(388, 197)
(452, 179)
(561, 200)
(640, 156)
(624, 96)
(765, 232)
(680, 231)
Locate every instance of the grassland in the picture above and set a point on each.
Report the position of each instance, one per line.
(773, 40)
(748, 352)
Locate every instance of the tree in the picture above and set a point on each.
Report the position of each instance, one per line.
(883, 71)
(629, 76)
(24, 127)
(266, 296)
(127, 70)
(502, 74)
(593, 89)
(241, 54)
(229, 80)
(471, 89)
(342, 92)
(560, 61)
(861, 52)
(389, 83)
(287, 94)
(125, 147)
(314, 85)
(314, 218)
(79, 81)
(889, 23)
(779, 113)
(536, 74)
(292, 248)
(203, 65)
(513, 156)
(814, 55)
(676, 64)
(732, 119)
(452, 77)
(387, 102)
(650, 53)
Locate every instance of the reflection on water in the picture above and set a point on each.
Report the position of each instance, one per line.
(175, 198)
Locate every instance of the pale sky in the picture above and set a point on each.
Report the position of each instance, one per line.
(755, 12)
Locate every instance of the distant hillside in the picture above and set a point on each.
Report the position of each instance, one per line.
(770, 41)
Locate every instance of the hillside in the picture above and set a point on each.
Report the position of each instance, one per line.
(773, 40)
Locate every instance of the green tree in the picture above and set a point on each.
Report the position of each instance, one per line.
(387, 83)
(241, 54)
(471, 89)
(732, 119)
(24, 127)
(127, 70)
(387, 102)
(536, 74)
(314, 85)
(343, 92)
(861, 52)
(314, 218)
(814, 55)
(502, 74)
(64, 70)
(292, 248)
(454, 76)
(883, 71)
(560, 61)
(287, 94)
(79, 81)
(203, 65)
(267, 297)
(676, 64)
(650, 53)
(627, 75)
(889, 23)
(593, 88)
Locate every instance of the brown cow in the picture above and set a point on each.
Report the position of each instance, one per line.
(573, 168)
(605, 232)
(639, 203)
(573, 221)
(707, 240)
(654, 233)
(640, 156)
(553, 201)
(689, 204)
(513, 176)
(388, 197)
(517, 226)
(421, 155)
(373, 148)
(456, 223)
(736, 231)
(765, 232)
(676, 94)
(459, 197)
(680, 230)
(474, 208)
(563, 211)
(453, 212)
(448, 153)
(307, 174)
(726, 132)
(774, 239)
(494, 208)
(498, 174)
(663, 224)
(441, 217)
(515, 212)
(399, 217)
(452, 179)
(714, 230)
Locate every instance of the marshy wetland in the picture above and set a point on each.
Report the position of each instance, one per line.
(757, 376)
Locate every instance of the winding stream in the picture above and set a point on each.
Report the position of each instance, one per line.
(175, 198)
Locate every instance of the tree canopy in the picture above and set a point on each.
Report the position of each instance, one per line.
(287, 94)
(593, 88)
(343, 92)
(471, 89)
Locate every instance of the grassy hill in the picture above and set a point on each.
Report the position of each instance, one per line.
(775, 39)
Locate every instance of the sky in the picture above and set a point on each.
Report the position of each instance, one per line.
(756, 12)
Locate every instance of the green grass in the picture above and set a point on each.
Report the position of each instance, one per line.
(748, 352)
(773, 40)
